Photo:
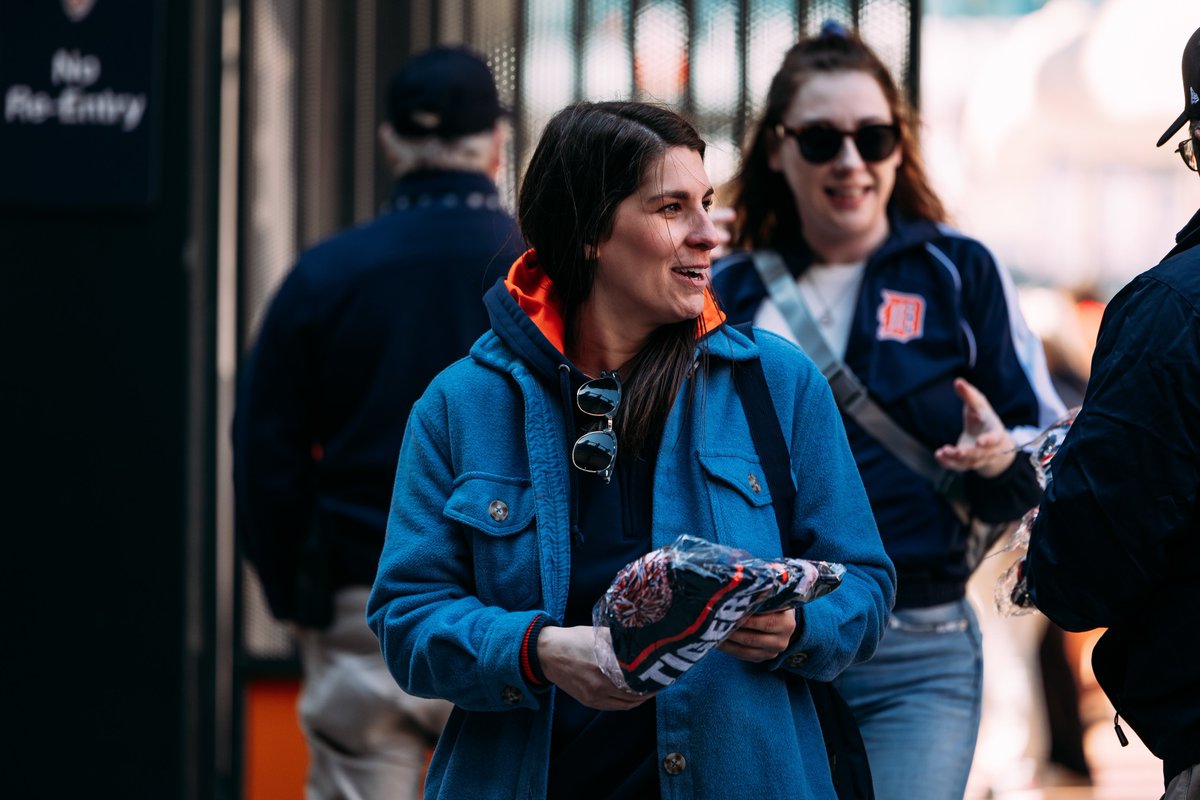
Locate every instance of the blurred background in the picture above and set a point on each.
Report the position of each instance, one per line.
(209, 141)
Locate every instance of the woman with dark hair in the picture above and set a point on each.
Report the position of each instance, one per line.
(597, 421)
(841, 227)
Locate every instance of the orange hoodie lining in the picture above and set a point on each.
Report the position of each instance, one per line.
(534, 292)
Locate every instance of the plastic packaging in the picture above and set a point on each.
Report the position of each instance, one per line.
(1011, 594)
(666, 610)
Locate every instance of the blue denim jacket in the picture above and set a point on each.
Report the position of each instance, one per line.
(478, 545)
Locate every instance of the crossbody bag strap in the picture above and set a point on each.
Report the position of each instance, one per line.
(849, 392)
(751, 385)
(848, 761)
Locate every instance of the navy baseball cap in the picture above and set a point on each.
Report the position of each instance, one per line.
(445, 92)
(1191, 87)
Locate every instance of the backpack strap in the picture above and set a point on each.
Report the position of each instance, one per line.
(848, 763)
(768, 439)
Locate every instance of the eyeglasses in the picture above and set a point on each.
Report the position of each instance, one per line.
(596, 451)
(1187, 151)
(821, 143)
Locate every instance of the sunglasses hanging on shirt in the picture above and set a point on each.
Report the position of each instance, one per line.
(821, 143)
(596, 451)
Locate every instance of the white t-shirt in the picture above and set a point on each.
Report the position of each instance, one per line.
(831, 293)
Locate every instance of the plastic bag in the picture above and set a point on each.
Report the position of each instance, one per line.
(1011, 594)
(666, 610)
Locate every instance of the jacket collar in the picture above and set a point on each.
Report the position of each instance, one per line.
(427, 188)
(1187, 238)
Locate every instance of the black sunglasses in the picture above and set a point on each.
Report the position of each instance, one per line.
(821, 143)
(1187, 151)
(596, 451)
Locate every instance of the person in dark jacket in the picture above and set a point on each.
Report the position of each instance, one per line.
(358, 328)
(1117, 539)
(832, 181)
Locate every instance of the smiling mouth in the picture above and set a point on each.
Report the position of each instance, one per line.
(847, 191)
(695, 273)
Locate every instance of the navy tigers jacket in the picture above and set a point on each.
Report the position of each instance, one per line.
(933, 306)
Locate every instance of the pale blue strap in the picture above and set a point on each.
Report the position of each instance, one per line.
(849, 392)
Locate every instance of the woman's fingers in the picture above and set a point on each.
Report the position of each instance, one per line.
(978, 414)
(568, 660)
(990, 455)
(984, 446)
(761, 637)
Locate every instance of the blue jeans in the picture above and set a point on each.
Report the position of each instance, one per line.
(918, 700)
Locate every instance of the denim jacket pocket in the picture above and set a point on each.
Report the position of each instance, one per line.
(741, 502)
(743, 474)
(498, 514)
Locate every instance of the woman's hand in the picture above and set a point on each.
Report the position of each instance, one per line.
(985, 445)
(570, 664)
(761, 637)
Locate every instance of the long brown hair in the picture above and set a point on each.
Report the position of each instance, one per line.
(591, 157)
(764, 202)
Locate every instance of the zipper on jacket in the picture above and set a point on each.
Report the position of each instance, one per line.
(1120, 733)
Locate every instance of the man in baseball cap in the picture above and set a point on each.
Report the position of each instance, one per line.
(444, 113)
(357, 330)
(1191, 91)
(1117, 538)
(445, 92)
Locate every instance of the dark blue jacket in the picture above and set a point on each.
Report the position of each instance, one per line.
(1117, 541)
(960, 320)
(356, 331)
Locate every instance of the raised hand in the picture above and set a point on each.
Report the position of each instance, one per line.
(985, 446)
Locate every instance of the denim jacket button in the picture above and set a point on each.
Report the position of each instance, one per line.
(498, 510)
(674, 763)
(797, 659)
(511, 695)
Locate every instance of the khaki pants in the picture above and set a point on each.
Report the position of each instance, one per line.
(1185, 785)
(367, 739)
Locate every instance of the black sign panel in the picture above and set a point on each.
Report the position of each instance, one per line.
(79, 102)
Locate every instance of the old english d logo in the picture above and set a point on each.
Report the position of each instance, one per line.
(76, 10)
(901, 316)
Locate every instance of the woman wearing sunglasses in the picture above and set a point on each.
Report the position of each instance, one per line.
(597, 421)
(832, 182)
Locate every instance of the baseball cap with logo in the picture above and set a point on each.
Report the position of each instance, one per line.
(445, 92)
(1191, 87)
